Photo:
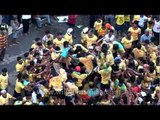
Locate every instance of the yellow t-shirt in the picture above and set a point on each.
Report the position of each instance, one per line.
(120, 19)
(54, 55)
(5, 101)
(138, 53)
(68, 38)
(20, 67)
(135, 33)
(122, 65)
(127, 43)
(102, 32)
(127, 18)
(136, 17)
(87, 61)
(4, 81)
(109, 58)
(89, 41)
(71, 90)
(98, 25)
(19, 86)
(80, 78)
(105, 75)
(58, 43)
(56, 83)
(158, 71)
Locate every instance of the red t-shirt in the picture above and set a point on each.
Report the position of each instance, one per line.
(72, 19)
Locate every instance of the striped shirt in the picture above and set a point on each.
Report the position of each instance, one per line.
(3, 41)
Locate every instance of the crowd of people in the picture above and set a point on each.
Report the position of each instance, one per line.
(116, 62)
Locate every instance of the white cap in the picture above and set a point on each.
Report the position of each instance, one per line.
(3, 92)
(85, 29)
(143, 94)
(112, 28)
(69, 30)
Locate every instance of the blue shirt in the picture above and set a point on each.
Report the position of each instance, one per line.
(120, 46)
(92, 92)
(145, 37)
(65, 51)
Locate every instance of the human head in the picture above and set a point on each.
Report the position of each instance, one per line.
(111, 32)
(90, 33)
(117, 60)
(147, 32)
(115, 47)
(37, 39)
(4, 71)
(138, 45)
(69, 31)
(3, 93)
(59, 36)
(66, 44)
(19, 60)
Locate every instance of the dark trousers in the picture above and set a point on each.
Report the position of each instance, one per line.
(25, 25)
(2, 53)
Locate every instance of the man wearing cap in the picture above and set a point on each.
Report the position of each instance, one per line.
(146, 36)
(68, 36)
(84, 33)
(121, 67)
(5, 97)
(80, 76)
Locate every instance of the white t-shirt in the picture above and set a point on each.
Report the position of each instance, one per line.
(34, 97)
(142, 20)
(46, 39)
(26, 17)
(109, 38)
(155, 27)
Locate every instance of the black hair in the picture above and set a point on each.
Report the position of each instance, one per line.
(78, 49)
(39, 61)
(39, 43)
(31, 49)
(60, 33)
(151, 63)
(57, 48)
(151, 69)
(20, 76)
(26, 54)
(19, 58)
(32, 63)
(37, 39)
(132, 79)
(36, 54)
(111, 31)
(104, 48)
(47, 31)
(65, 44)
(4, 70)
(28, 68)
(39, 96)
(115, 47)
(49, 43)
(138, 46)
(141, 77)
(141, 70)
(45, 51)
(25, 76)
